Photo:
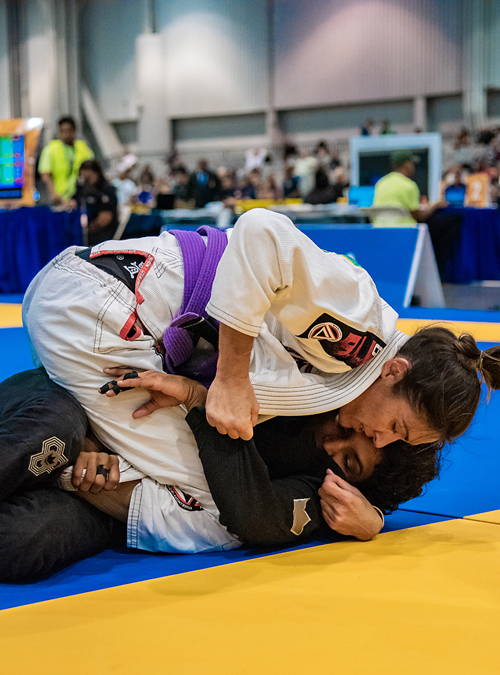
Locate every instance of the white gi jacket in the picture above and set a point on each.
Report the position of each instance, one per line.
(314, 315)
(323, 330)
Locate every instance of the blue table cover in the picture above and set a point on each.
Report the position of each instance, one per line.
(467, 244)
(29, 238)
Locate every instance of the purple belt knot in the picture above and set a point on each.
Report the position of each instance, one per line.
(200, 265)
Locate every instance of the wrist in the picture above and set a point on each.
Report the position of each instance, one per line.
(197, 396)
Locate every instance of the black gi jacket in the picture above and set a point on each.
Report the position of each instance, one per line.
(256, 484)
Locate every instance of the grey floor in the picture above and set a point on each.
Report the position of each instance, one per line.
(484, 295)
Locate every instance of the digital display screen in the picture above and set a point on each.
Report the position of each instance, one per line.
(11, 166)
(375, 164)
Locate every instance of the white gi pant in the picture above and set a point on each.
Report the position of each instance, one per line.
(272, 282)
(74, 313)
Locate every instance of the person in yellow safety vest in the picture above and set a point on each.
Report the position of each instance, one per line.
(61, 159)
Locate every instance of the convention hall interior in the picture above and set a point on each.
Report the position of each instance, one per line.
(277, 222)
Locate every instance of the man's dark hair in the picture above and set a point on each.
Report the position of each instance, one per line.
(402, 474)
(444, 381)
(67, 119)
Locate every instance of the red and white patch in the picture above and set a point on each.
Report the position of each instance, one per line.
(325, 331)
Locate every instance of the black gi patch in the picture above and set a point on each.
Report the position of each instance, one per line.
(184, 500)
(49, 458)
(343, 342)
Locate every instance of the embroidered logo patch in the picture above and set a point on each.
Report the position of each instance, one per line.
(50, 458)
(300, 516)
(343, 342)
(184, 500)
(134, 268)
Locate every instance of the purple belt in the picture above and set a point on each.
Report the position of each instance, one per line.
(192, 321)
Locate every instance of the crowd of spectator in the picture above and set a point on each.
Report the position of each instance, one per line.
(316, 177)
(473, 155)
(74, 179)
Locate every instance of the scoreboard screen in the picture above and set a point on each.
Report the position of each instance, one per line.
(11, 166)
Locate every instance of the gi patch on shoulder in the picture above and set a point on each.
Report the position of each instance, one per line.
(300, 516)
(343, 342)
(184, 500)
(50, 458)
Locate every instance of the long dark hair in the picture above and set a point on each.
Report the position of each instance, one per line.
(402, 474)
(444, 381)
(93, 165)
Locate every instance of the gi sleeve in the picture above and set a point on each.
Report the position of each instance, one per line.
(270, 265)
(258, 510)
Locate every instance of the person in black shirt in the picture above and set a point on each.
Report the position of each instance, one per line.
(203, 185)
(323, 192)
(97, 200)
(266, 489)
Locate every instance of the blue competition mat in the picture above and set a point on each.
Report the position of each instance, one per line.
(126, 566)
(468, 485)
(15, 354)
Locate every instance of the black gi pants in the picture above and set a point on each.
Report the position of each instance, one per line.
(42, 528)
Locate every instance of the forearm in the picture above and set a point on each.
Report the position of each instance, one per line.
(235, 350)
(258, 510)
(49, 181)
(115, 503)
(102, 220)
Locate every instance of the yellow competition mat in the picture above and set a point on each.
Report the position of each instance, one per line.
(10, 316)
(482, 331)
(488, 517)
(423, 600)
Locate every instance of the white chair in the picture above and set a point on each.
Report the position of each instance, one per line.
(388, 216)
(124, 216)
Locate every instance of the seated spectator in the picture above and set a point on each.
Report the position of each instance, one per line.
(203, 185)
(367, 127)
(290, 154)
(454, 193)
(398, 189)
(229, 190)
(339, 179)
(334, 159)
(180, 178)
(254, 158)
(146, 186)
(385, 128)
(125, 187)
(174, 161)
(97, 200)
(323, 192)
(462, 139)
(291, 184)
(305, 166)
(269, 190)
(252, 183)
(485, 136)
(322, 154)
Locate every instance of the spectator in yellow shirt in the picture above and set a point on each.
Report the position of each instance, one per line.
(398, 189)
(60, 161)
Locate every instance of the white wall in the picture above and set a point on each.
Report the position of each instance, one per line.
(5, 111)
(216, 55)
(109, 31)
(493, 43)
(334, 51)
